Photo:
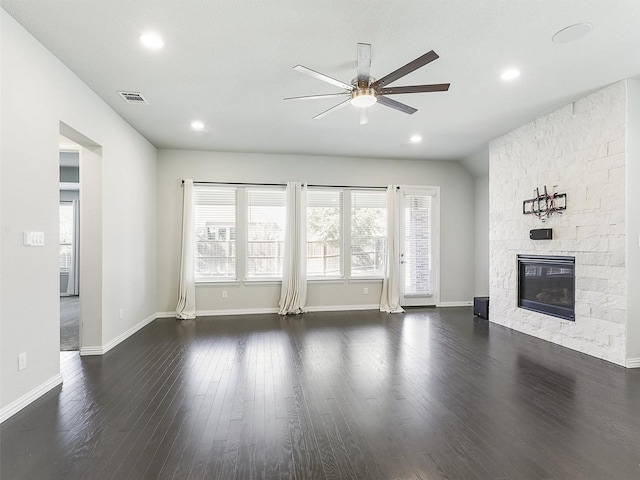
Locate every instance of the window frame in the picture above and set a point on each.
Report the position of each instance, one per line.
(341, 242)
(245, 193)
(199, 280)
(358, 278)
(241, 273)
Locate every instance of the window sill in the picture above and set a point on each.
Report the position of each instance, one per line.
(326, 280)
(212, 283)
(262, 281)
(365, 279)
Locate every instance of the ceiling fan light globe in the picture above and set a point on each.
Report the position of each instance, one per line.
(362, 98)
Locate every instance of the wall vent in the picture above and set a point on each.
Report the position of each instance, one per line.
(133, 97)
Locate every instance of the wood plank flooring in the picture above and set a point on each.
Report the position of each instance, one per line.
(429, 394)
(69, 323)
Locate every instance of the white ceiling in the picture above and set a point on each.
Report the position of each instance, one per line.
(229, 64)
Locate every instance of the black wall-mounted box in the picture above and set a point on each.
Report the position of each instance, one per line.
(541, 234)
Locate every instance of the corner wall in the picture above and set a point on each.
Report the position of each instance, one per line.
(633, 223)
(38, 93)
(456, 222)
(581, 149)
(481, 236)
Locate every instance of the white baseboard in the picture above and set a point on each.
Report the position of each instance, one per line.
(17, 405)
(455, 304)
(258, 311)
(87, 351)
(219, 313)
(633, 363)
(342, 308)
(101, 350)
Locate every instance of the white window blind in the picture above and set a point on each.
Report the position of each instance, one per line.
(266, 218)
(368, 233)
(66, 236)
(324, 233)
(215, 229)
(418, 266)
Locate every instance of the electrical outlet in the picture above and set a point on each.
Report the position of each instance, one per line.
(366, 291)
(22, 361)
(121, 313)
(224, 294)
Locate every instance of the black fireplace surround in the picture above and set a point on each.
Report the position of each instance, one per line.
(546, 284)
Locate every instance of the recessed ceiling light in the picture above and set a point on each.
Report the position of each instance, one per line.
(151, 40)
(572, 33)
(510, 74)
(197, 125)
(415, 139)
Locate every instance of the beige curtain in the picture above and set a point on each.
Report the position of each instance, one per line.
(390, 298)
(294, 272)
(186, 308)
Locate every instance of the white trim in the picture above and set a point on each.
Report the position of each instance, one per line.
(219, 313)
(86, 351)
(126, 334)
(341, 308)
(258, 311)
(633, 363)
(17, 405)
(101, 350)
(238, 311)
(69, 186)
(455, 304)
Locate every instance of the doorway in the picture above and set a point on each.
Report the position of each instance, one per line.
(419, 246)
(69, 245)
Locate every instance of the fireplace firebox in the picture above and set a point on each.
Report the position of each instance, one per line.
(546, 284)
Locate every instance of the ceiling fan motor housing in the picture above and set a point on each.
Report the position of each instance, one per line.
(363, 97)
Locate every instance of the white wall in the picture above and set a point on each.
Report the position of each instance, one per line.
(457, 220)
(580, 148)
(633, 222)
(481, 236)
(39, 92)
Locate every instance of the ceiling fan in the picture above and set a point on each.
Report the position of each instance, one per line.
(365, 90)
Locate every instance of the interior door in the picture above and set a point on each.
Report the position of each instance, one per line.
(419, 246)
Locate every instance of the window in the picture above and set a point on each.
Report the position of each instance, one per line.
(215, 231)
(418, 251)
(266, 218)
(324, 233)
(368, 233)
(66, 236)
(240, 232)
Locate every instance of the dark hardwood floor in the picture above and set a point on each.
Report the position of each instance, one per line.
(429, 394)
(69, 323)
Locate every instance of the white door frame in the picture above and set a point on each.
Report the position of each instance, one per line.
(434, 298)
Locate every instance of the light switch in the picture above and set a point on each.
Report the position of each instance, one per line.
(34, 239)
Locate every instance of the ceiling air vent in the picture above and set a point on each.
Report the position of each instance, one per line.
(133, 97)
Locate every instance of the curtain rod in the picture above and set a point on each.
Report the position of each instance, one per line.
(284, 185)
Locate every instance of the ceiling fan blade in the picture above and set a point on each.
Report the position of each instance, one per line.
(387, 102)
(407, 69)
(437, 87)
(314, 97)
(335, 107)
(364, 116)
(323, 77)
(364, 64)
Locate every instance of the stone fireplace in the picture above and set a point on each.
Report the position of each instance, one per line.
(581, 149)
